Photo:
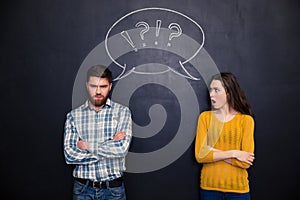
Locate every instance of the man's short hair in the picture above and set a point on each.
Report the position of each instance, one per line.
(99, 71)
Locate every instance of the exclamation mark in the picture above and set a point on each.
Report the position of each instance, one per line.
(158, 25)
(128, 39)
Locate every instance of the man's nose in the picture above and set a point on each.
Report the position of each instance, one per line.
(98, 90)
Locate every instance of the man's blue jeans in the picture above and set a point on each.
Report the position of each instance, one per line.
(216, 195)
(84, 192)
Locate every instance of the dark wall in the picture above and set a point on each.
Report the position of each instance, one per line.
(43, 44)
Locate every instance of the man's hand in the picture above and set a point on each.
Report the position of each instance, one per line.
(83, 145)
(119, 135)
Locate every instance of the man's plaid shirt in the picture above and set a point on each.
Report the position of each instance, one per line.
(105, 159)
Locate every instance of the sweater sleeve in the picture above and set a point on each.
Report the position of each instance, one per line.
(247, 140)
(203, 153)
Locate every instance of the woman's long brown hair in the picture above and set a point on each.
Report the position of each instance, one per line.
(236, 97)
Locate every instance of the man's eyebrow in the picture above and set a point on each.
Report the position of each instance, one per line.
(95, 85)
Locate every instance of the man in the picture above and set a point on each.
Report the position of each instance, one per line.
(96, 140)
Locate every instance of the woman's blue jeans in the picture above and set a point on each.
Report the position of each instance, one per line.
(216, 195)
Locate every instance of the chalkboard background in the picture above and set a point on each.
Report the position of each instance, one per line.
(43, 44)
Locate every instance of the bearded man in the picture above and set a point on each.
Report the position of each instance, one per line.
(97, 136)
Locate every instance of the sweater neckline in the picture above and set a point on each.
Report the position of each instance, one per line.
(213, 113)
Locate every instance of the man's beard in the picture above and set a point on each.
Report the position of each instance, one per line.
(98, 102)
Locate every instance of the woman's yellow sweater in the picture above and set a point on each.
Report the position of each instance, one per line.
(236, 134)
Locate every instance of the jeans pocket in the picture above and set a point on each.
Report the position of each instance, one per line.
(117, 191)
(78, 188)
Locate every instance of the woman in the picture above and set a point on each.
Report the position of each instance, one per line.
(225, 141)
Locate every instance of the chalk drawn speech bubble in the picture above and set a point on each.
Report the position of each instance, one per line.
(156, 36)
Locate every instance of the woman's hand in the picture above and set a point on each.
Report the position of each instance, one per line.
(244, 156)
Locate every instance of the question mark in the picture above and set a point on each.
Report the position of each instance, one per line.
(177, 34)
(144, 30)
